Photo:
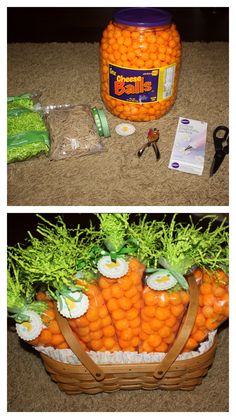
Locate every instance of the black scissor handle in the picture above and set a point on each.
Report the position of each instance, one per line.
(221, 141)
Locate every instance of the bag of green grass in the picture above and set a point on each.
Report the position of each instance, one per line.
(27, 135)
(26, 100)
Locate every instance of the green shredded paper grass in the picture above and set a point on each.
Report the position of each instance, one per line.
(52, 260)
(22, 101)
(27, 134)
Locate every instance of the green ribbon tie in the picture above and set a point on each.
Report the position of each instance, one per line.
(177, 275)
(19, 315)
(65, 292)
(114, 254)
(96, 253)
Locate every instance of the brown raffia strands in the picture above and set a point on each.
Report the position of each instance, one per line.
(168, 374)
(69, 73)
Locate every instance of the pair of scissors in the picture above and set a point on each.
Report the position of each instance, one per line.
(221, 142)
(153, 137)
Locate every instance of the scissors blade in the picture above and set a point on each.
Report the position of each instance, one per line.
(188, 148)
(217, 160)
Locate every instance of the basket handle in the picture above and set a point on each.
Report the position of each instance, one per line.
(78, 350)
(184, 331)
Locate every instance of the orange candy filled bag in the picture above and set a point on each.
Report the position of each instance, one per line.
(213, 305)
(123, 297)
(161, 317)
(94, 329)
(51, 334)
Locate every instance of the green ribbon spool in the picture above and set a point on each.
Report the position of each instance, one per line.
(101, 122)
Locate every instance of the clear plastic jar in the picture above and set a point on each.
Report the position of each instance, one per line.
(140, 58)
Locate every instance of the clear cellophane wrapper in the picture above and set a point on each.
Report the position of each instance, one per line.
(95, 329)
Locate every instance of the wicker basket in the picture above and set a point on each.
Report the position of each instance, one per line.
(168, 374)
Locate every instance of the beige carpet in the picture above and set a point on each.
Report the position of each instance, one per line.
(69, 73)
(30, 388)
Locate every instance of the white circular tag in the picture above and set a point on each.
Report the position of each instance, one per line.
(161, 280)
(112, 269)
(31, 329)
(125, 129)
(72, 309)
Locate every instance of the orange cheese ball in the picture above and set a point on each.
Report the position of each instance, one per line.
(139, 48)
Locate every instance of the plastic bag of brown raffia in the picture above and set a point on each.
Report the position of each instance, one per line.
(75, 130)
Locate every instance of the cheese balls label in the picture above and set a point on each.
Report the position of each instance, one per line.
(141, 85)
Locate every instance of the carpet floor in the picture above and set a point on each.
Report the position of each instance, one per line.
(69, 73)
(30, 388)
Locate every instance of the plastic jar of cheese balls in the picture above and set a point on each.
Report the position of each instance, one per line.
(140, 55)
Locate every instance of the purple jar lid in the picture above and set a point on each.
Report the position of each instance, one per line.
(143, 16)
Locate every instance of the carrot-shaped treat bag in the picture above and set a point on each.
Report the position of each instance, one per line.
(49, 263)
(61, 262)
(121, 278)
(212, 259)
(166, 295)
(21, 306)
(95, 328)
